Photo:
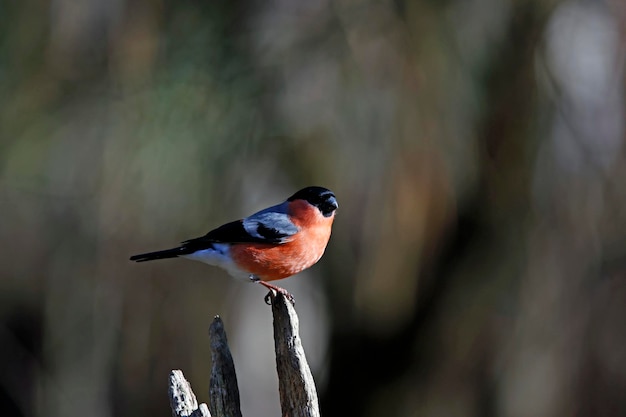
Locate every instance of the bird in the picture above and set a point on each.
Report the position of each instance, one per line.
(271, 244)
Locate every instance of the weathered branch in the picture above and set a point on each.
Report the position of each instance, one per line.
(298, 396)
(182, 399)
(223, 389)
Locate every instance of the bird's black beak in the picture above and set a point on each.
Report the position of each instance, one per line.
(332, 202)
(329, 206)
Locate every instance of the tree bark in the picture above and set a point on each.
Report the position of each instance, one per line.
(182, 399)
(298, 396)
(223, 389)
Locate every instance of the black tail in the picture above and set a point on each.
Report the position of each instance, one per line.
(162, 254)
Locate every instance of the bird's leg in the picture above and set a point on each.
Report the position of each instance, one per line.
(273, 289)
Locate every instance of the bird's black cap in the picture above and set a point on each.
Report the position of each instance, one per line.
(321, 197)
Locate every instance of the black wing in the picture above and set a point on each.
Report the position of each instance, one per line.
(271, 225)
(274, 228)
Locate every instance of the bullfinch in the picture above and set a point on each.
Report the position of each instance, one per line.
(274, 243)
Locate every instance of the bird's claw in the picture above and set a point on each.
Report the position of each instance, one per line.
(269, 297)
(274, 291)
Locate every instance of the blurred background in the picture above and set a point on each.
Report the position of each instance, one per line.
(478, 260)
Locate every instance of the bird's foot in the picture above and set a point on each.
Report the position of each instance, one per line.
(274, 290)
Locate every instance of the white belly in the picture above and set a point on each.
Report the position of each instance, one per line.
(219, 256)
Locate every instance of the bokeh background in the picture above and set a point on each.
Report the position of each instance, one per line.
(478, 261)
